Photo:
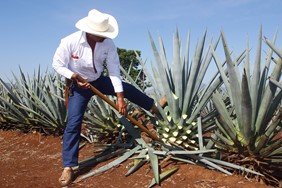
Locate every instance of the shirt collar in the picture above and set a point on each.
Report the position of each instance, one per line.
(83, 38)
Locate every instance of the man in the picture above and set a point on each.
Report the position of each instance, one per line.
(81, 56)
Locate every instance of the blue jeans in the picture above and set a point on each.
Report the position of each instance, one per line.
(76, 108)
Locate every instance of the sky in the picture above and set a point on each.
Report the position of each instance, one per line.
(31, 30)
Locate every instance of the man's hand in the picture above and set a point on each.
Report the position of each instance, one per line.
(80, 81)
(83, 85)
(122, 108)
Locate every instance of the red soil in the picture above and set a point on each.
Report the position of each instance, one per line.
(32, 160)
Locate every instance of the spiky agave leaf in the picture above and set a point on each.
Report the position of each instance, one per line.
(235, 90)
(246, 110)
(108, 166)
(164, 175)
(231, 165)
(154, 164)
(138, 162)
(106, 155)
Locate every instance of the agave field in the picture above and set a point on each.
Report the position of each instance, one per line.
(230, 123)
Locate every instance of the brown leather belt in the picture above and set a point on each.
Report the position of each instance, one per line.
(68, 83)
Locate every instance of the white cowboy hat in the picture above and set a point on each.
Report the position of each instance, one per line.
(98, 23)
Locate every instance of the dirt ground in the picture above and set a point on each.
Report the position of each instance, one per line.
(32, 161)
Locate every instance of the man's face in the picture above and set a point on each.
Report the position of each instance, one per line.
(95, 37)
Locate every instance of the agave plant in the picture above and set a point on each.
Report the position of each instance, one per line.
(101, 121)
(182, 84)
(247, 126)
(34, 103)
(38, 102)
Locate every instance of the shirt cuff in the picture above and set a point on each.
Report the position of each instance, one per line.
(117, 83)
(68, 74)
(118, 88)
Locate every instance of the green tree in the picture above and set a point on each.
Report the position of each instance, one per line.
(131, 64)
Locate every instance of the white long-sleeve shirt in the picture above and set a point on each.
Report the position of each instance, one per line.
(74, 55)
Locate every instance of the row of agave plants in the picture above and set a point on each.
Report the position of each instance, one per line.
(231, 124)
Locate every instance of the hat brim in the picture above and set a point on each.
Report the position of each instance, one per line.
(111, 32)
